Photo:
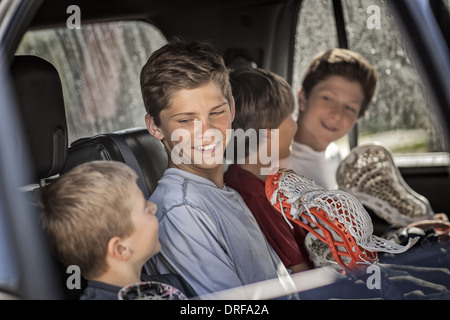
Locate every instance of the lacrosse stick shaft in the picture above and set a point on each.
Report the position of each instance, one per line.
(274, 288)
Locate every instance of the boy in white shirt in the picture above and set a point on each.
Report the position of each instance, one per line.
(337, 90)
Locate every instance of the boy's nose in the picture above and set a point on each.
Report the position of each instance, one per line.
(336, 111)
(206, 125)
(204, 129)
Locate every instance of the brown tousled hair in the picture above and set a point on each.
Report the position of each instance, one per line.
(263, 100)
(347, 64)
(177, 66)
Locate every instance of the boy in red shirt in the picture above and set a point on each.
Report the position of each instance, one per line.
(264, 103)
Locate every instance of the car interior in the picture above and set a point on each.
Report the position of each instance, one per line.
(254, 32)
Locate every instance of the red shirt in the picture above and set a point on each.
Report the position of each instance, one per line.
(288, 243)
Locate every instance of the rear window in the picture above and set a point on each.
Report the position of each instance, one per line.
(400, 118)
(99, 65)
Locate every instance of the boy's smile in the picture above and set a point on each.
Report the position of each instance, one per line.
(209, 148)
(327, 127)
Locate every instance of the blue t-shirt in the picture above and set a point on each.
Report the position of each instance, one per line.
(208, 235)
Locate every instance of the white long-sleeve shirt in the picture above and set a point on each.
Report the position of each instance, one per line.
(318, 166)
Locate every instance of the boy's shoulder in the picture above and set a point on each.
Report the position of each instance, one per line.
(178, 187)
(97, 290)
(169, 190)
(244, 182)
(176, 181)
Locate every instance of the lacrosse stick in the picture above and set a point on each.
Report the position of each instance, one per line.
(319, 252)
(343, 222)
(150, 290)
(369, 173)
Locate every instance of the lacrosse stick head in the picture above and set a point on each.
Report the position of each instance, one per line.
(319, 252)
(334, 217)
(150, 290)
(369, 173)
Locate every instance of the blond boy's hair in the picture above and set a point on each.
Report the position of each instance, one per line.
(83, 209)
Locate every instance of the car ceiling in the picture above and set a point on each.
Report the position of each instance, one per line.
(53, 12)
(250, 28)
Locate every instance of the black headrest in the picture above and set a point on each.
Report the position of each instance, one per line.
(40, 98)
(149, 153)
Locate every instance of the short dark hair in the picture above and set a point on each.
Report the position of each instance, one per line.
(262, 98)
(347, 64)
(179, 65)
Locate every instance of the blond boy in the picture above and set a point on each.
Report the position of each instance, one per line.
(96, 218)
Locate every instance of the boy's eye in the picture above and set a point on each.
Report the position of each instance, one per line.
(351, 109)
(185, 121)
(217, 113)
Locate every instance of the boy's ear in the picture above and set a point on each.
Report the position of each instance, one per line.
(152, 128)
(117, 249)
(232, 109)
(301, 99)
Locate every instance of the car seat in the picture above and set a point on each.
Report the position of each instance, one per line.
(136, 147)
(40, 100)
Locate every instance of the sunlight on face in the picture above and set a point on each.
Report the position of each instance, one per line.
(196, 127)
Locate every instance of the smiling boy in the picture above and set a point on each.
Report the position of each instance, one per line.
(208, 235)
(96, 218)
(337, 90)
(201, 117)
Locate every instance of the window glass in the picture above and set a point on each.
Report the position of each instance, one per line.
(400, 117)
(447, 2)
(99, 66)
(312, 35)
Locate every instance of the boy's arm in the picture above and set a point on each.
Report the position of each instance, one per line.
(193, 246)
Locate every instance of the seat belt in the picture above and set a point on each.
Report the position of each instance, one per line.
(130, 159)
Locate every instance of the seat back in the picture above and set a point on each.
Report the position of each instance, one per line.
(136, 147)
(40, 99)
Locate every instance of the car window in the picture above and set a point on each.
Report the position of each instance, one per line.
(99, 65)
(311, 29)
(400, 117)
